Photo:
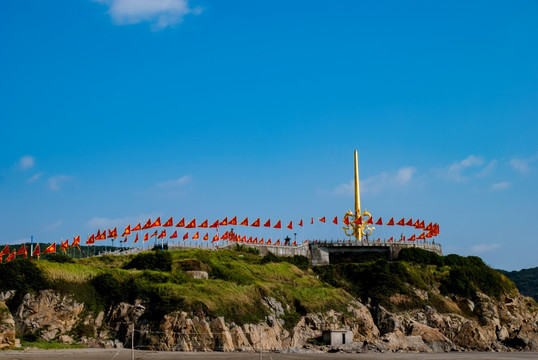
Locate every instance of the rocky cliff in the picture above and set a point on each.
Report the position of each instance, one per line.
(508, 324)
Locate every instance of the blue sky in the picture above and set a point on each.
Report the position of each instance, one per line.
(113, 111)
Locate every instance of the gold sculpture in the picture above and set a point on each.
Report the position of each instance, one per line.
(355, 228)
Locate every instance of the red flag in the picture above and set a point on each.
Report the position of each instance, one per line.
(244, 222)
(136, 238)
(50, 249)
(137, 227)
(409, 222)
(417, 224)
(22, 251)
(146, 237)
(429, 234)
(110, 234)
(322, 219)
(215, 238)
(421, 225)
(148, 224)
(124, 240)
(346, 221)
(429, 227)
(335, 220)
(421, 236)
(181, 223)
(162, 235)
(91, 240)
(196, 236)
(225, 236)
(11, 256)
(5, 251)
(206, 236)
(401, 222)
(268, 242)
(249, 240)
(76, 241)
(244, 238)
(391, 221)
(203, 224)
(255, 241)
(169, 222)
(311, 220)
(379, 222)
(157, 222)
(154, 234)
(186, 236)
(98, 234)
(225, 221)
(36, 251)
(233, 221)
(256, 223)
(290, 225)
(127, 231)
(294, 243)
(278, 225)
(277, 242)
(370, 221)
(358, 221)
(174, 235)
(192, 224)
(412, 238)
(301, 223)
(267, 223)
(215, 224)
(100, 237)
(261, 241)
(391, 239)
(64, 245)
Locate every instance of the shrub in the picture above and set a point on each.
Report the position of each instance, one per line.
(60, 258)
(420, 256)
(154, 260)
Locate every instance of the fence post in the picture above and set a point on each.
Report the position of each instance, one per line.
(132, 341)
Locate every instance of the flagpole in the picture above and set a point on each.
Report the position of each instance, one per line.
(31, 245)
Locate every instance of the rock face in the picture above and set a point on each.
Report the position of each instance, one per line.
(7, 328)
(47, 313)
(505, 324)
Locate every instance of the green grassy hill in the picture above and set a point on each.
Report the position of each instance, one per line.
(241, 276)
(526, 281)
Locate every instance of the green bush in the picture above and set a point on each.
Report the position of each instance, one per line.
(60, 258)
(154, 260)
(23, 276)
(420, 256)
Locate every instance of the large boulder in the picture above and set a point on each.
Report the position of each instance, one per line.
(7, 328)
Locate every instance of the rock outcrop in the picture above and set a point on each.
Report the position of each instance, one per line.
(7, 328)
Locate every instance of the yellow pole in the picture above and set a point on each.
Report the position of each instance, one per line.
(357, 197)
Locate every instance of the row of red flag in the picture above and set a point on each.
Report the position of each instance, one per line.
(24, 252)
(431, 229)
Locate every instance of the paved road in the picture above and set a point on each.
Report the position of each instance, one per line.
(124, 354)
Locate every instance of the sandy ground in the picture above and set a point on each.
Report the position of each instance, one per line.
(124, 354)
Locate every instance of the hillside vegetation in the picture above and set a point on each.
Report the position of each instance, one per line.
(240, 279)
(526, 281)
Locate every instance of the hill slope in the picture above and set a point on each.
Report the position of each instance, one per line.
(526, 281)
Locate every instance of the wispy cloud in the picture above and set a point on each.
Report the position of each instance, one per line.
(54, 225)
(161, 13)
(26, 162)
(104, 222)
(174, 183)
(34, 178)
(378, 183)
(471, 167)
(521, 165)
(56, 182)
(500, 186)
(482, 248)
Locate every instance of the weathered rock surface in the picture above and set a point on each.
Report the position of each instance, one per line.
(48, 313)
(7, 328)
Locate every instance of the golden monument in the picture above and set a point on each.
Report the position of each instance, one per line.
(358, 224)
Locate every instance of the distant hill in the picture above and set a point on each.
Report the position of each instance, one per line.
(526, 281)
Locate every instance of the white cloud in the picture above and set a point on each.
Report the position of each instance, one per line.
(56, 181)
(174, 183)
(54, 225)
(34, 178)
(482, 248)
(161, 13)
(500, 186)
(378, 183)
(521, 165)
(102, 222)
(455, 171)
(26, 162)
